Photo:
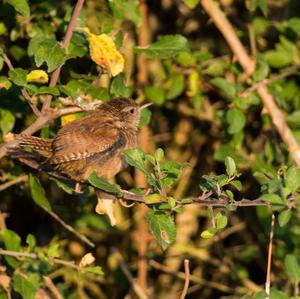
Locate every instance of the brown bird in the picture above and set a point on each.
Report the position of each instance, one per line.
(94, 142)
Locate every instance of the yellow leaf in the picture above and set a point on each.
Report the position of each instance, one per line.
(86, 260)
(67, 118)
(104, 52)
(38, 76)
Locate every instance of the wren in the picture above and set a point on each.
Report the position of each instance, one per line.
(94, 142)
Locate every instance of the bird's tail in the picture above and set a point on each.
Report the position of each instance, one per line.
(42, 146)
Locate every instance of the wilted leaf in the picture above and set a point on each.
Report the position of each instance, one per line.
(86, 260)
(106, 206)
(104, 52)
(167, 46)
(163, 228)
(38, 76)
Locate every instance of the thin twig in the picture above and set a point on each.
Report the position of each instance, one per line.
(268, 276)
(136, 287)
(34, 256)
(17, 180)
(248, 64)
(193, 278)
(187, 278)
(52, 288)
(274, 78)
(70, 228)
(23, 90)
(66, 41)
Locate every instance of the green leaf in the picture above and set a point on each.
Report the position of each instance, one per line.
(97, 270)
(126, 10)
(145, 117)
(24, 286)
(284, 217)
(119, 89)
(48, 90)
(53, 250)
(276, 294)
(221, 221)
(155, 95)
(261, 71)
(292, 179)
(292, 267)
(67, 186)
(102, 184)
(227, 88)
(18, 76)
(21, 6)
(163, 228)
(7, 121)
(167, 46)
(293, 119)
(38, 193)
(237, 184)
(12, 242)
(259, 4)
(154, 198)
(136, 157)
(230, 166)
(159, 154)
(191, 3)
(51, 52)
(176, 86)
(236, 121)
(31, 241)
(272, 198)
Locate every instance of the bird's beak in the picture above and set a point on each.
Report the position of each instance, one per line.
(145, 106)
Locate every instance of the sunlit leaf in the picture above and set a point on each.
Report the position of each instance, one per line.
(163, 228)
(104, 52)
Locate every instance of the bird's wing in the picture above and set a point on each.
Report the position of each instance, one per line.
(85, 138)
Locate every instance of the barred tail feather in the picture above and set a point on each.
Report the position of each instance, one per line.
(42, 146)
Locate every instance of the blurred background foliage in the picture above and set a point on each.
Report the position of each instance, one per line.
(205, 109)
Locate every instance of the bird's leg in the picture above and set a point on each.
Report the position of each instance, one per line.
(78, 188)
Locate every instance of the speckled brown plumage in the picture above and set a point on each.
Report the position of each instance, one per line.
(94, 142)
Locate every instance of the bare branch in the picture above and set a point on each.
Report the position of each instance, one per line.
(268, 277)
(187, 278)
(17, 180)
(34, 256)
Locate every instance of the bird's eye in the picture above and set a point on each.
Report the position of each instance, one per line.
(132, 110)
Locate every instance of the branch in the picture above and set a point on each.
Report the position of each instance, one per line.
(66, 41)
(34, 256)
(70, 228)
(136, 287)
(220, 20)
(274, 78)
(17, 180)
(187, 278)
(268, 278)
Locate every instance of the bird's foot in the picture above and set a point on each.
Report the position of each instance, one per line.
(78, 188)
